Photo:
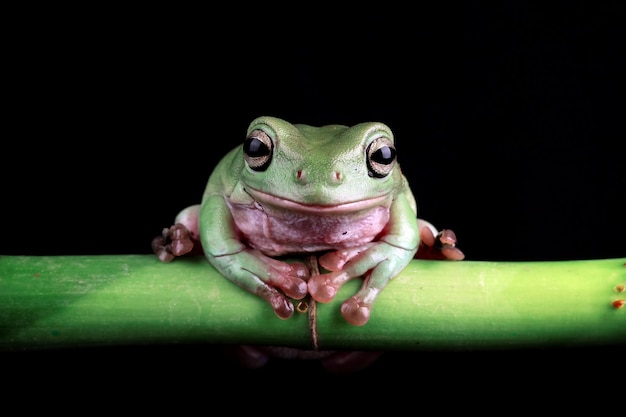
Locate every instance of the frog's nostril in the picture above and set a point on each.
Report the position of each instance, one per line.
(337, 176)
(300, 175)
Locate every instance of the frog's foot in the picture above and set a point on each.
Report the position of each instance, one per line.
(292, 285)
(281, 305)
(324, 287)
(274, 280)
(356, 311)
(280, 299)
(437, 245)
(290, 278)
(173, 242)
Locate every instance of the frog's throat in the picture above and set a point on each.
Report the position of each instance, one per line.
(341, 208)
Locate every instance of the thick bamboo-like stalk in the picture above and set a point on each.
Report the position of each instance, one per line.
(72, 301)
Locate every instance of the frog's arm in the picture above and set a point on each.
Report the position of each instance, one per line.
(379, 262)
(246, 267)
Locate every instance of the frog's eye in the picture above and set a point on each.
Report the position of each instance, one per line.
(381, 157)
(257, 150)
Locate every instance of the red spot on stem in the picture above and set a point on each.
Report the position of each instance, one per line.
(618, 303)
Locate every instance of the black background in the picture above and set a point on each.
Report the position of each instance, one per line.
(509, 123)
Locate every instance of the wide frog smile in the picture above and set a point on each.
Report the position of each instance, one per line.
(337, 208)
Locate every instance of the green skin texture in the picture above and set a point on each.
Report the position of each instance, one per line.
(318, 188)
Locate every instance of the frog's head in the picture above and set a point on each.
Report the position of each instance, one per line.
(332, 168)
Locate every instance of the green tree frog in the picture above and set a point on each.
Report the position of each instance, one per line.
(293, 189)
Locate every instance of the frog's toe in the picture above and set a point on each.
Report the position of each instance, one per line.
(331, 261)
(291, 279)
(446, 237)
(355, 311)
(453, 253)
(180, 247)
(446, 243)
(299, 270)
(322, 288)
(281, 305)
(295, 288)
(159, 249)
(336, 260)
(174, 241)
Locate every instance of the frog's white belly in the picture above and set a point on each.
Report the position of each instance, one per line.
(278, 232)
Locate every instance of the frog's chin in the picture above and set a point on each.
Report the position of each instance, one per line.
(319, 208)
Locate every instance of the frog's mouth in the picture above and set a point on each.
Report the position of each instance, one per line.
(338, 208)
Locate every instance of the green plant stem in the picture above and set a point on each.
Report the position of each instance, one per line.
(73, 301)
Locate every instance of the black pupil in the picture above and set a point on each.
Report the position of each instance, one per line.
(384, 155)
(255, 148)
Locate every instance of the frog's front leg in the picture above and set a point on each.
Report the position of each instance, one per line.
(272, 279)
(378, 262)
